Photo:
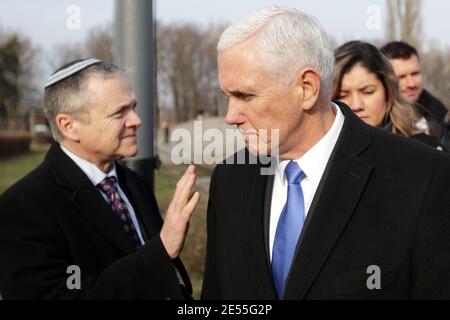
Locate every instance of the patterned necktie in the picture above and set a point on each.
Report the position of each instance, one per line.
(289, 228)
(109, 186)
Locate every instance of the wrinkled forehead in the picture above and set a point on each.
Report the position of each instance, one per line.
(241, 66)
(110, 91)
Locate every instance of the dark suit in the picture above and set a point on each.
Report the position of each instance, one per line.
(435, 113)
(55, 218)
(383, 200)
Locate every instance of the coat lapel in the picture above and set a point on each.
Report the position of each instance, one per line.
(144, 207)
(91, 204)
(338, 194)
(86, 199)
(267, 209)
(253, 214)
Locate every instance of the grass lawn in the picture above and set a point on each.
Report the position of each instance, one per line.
(14, 168)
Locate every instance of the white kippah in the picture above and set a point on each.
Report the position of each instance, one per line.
(69, 71)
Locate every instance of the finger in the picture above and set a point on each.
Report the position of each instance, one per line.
(191, 194)
(186, 190)
(179, 199)
(182, 181)
(191, 169)
(189, 208)
(184, 176)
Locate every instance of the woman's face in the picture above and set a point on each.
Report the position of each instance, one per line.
(364, 93)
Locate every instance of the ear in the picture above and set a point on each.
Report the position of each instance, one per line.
(310, 84)
(68, 126)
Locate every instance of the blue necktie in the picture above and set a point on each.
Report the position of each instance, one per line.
(289, 228)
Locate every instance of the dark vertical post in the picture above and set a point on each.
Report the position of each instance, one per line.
(134, 51)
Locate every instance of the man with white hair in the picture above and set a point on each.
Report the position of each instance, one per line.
(351, 211)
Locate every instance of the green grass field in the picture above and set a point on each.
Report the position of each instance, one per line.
(14, 168)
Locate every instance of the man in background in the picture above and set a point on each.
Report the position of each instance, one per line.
(405, 60)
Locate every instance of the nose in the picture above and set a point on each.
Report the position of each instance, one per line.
(133, 121)
(234, 115)
(410, 82)
(356, 103)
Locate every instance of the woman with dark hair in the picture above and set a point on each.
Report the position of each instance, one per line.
(365, 80)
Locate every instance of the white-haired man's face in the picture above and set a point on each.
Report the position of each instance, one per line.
(258, 104)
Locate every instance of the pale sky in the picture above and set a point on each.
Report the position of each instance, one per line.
(45, 21)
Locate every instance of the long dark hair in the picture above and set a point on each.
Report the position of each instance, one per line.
(400, 115)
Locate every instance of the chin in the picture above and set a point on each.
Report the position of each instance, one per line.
(413, 97)
(130, 152)
(256, 150)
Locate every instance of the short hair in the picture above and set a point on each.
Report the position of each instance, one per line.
(399, 50)
(289, 41)
(70, 96)
(399, 113)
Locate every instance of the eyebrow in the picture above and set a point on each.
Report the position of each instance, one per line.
(238, 93)
(362, 88)
(122, 107)
(370, 86)
(408, 73)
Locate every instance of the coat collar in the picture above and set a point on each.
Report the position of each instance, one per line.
(86, 199)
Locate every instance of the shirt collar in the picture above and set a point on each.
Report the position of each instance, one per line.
(314, 162)
(94, 174)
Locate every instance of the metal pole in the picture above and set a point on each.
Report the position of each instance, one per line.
(134, 51)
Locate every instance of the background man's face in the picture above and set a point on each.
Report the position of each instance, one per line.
(410, 77)
(110, 132)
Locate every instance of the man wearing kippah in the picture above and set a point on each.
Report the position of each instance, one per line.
(83, 226)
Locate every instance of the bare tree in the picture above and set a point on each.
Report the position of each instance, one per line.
(404, 21)
(436, 71)
(99, 43)
(187, 69)
(64, 53)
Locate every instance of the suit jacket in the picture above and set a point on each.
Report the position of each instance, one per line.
(383, 201)
(55, 218)
(435, 113)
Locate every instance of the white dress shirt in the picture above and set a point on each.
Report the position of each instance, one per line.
(96, 176)
(313, 164)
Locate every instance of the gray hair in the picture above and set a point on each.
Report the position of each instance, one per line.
(289, 41)
(70, 96)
